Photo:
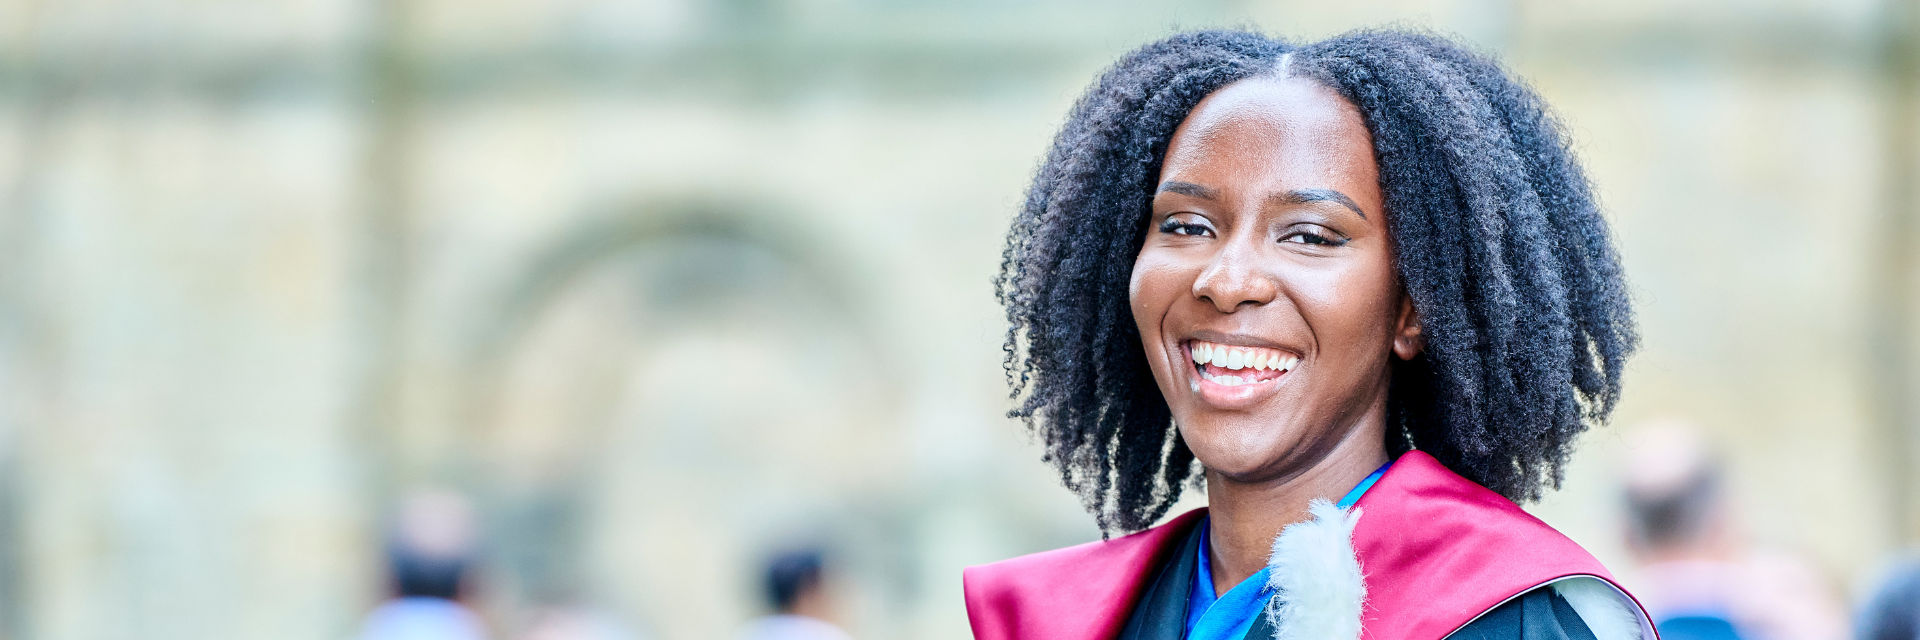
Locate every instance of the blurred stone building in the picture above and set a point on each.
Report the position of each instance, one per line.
(661, 283)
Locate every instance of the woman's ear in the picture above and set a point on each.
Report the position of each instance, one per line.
(1407, 341)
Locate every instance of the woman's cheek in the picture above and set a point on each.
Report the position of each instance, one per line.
(1147, 299)
(1353, 312)
(1142, 289)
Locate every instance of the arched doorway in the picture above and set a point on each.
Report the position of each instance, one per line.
(668, 393)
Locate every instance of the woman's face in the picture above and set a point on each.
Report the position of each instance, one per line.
(1267, 257)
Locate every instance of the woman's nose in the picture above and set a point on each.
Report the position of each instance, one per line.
(1236, 276)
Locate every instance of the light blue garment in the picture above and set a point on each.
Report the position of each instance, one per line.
(793, 627)
(1230, 616)
(416, 618)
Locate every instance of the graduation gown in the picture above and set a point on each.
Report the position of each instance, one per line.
(1161, 613)
(1433, 551)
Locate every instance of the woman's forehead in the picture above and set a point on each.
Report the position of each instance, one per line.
(1276, 98)
(1291, 132)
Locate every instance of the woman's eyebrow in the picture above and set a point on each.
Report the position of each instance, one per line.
(1303, 196)
(1188, 189)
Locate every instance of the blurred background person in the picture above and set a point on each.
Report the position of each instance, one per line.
(429, 554)
(1699, 578)
(1892, 610)
(798, 589)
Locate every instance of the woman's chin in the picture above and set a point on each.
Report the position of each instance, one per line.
(1247, 471)
(1241, 453)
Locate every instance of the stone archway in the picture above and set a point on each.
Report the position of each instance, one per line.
(665, 392)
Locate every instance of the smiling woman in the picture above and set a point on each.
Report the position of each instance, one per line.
(1366, 270)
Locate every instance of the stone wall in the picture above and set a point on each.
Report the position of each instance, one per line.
(662, 283)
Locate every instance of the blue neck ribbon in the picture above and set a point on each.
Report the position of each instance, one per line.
(1229, 616)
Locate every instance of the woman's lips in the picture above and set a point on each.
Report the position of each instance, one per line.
(1233, 366)
(1229, 376)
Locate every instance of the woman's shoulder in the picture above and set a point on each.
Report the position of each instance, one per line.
(1574, 609)
(1432, 541)
(1068, 593)
(1420, 505)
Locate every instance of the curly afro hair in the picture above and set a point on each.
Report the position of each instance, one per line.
(1498, 241)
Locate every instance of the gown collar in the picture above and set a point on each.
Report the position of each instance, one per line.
(1230, 615)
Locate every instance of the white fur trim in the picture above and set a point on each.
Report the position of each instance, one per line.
(1605, 610)
(1316, 577)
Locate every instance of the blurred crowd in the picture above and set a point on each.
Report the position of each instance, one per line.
(431, 556)
(1696, 569)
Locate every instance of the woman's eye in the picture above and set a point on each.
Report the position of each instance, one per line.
(1183, 228)
(1304, 237)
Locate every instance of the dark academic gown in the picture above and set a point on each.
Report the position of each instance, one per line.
(1439, 554)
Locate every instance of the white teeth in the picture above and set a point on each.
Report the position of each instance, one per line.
(1237, 359)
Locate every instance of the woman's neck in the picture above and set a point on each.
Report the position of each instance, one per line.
(1247, 515)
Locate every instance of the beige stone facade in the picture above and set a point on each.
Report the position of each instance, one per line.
(660, 283)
